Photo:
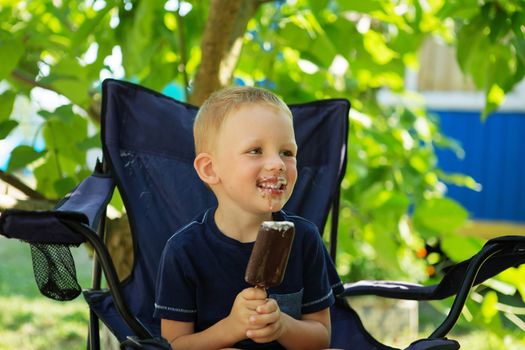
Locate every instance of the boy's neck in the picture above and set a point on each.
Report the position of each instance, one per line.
(243, 228)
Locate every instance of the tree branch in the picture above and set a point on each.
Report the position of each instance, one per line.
(12, 180)
(25, 78)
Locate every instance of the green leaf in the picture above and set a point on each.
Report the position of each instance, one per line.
(6, 127)
(439, 216)
(499, 26)
(89, 25)
(294, 36)
(464, 9)
(352, 37)
(459, 179)
(69, 78)
(7, 100)
(386, 248)
(51, 170)
(90, 142)
(519, 45)
(360, 6)
(494, 98)
(460, 248)
(516, 277)
(488, 306)
(63, 114)
(469, 40)
(376, 45)
(63, 131)
(140, 44)
(64, 185)
(21, 156)
(322, 50)
(46, 174)
(11, 50)
(117, 202)
(74, 89)
(318, 5)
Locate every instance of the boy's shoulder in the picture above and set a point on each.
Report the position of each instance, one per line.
(301, 224)
(189, 233)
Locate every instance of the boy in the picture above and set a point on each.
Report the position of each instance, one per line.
(246, 154)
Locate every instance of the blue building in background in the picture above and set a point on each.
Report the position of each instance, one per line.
(494, 157)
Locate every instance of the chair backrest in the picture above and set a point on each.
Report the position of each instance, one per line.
(148, 142)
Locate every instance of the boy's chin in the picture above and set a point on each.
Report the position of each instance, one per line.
(274, 206)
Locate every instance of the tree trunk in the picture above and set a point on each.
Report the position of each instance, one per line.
(221, 45)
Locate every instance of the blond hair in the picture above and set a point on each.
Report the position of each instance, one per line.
(220, 104)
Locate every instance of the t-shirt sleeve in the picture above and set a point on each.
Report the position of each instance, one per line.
(319, 275)
(174, 297)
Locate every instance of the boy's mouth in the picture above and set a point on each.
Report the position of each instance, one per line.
(272, 185)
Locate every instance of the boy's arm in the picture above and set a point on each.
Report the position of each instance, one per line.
(311, 332)
(180, 335)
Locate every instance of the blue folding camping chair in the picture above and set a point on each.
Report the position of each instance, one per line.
(148, 154)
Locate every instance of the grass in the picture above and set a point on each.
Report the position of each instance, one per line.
(31, 321)
(38, 324)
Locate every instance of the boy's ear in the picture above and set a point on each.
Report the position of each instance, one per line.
(203, 164)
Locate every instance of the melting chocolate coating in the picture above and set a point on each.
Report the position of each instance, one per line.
(270, 253)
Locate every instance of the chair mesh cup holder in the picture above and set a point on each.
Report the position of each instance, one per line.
(54, 271)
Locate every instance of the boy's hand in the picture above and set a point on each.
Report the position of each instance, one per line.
(267, 324)
(244, 307)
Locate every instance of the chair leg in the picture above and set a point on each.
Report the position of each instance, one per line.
(472, 270)
(94, 332)
(96, 278)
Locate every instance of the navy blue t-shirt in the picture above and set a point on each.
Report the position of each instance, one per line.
(202, 270)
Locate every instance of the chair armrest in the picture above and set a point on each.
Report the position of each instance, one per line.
(389, 289)
(497, 255)
(83, 205)
(509, 251)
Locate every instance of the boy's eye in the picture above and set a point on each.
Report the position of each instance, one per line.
(288, 153)
(255, 151)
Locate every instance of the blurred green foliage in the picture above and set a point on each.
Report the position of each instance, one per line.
(393, 196)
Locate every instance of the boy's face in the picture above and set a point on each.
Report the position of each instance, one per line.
(255, 159)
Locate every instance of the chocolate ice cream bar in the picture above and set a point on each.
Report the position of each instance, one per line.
(270, 254)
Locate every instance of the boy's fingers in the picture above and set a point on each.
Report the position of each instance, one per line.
(269, 306)
(264, 319)
(254, 293)
(262, 335)
(252, 304)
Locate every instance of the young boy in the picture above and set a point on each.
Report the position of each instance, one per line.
(246, 154)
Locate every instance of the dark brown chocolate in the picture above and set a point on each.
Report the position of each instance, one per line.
(270, 253)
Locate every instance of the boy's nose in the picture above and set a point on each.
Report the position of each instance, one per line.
(275, 163)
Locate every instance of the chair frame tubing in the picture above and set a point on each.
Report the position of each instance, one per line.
(111, 276)
(96, 278)
(459, 301)
(334, 222)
